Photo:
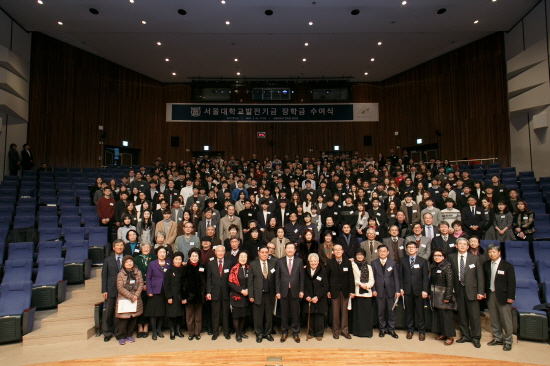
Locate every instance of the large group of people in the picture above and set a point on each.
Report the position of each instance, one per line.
(344, 241)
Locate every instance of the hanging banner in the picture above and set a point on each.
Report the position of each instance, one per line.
(350, 112)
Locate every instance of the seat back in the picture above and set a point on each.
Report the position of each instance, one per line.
(543, 270)
(20, 222)
(523, 268)
(49, 249)
(77, 251)
(50, 271)
(527, 295)
(516, 249)
(75, 233)
(97, 236)
(15, 297)
(49, 234)
(17, 270)
(21, 250)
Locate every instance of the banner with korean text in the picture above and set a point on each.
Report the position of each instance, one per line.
(350, 112)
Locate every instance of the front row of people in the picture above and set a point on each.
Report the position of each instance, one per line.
(147, 289)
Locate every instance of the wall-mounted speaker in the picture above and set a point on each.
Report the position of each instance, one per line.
(175, 141)
(367, 140)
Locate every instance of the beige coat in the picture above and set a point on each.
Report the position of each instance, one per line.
(279, 248)
(127, 291)
(171, 234)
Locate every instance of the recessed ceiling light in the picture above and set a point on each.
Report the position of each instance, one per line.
(236, 60)
(366, 73)
(174, 73)
(158, 43)
(132, 1)
(380, 43)
(372, 59)
(238, 73)
(404, 2)
(223, 1)
(227, 22)
(494, 1)
(304, 60)
(143, 22)
(166, 59)
(40, 2)
(60, 23)
(306, 44)
(477, 21)
(310, 23)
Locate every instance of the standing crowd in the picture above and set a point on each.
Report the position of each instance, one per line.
(342, 241)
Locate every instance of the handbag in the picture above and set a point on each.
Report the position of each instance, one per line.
(438, 295)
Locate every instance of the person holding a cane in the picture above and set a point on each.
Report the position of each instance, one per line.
(315, 293)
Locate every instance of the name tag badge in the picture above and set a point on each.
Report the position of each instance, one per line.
(439, 271)
(211, 259)
(452, 245)
(390, 269)
(136, 250)
(213, 213)
(478, 212)
(112, 204)
(164, 270)
(249, 214)
(525, 218)
(179, 219)
(487, 213)
(295, 231)
(132, 282)
(500, 272)
(502, 216)
(472, 265)
(192, 243)
(378, 214)
(272, 270)
(502, 190)
(392, 215)
(226, 270)
(416, 265)
(270, 202)
(334, 233)
(415, 211)
(377, 233)
(269, 213)
(201, 269)
(336, 213)
(286, 214)
(401, 247)
(318, 278)
(423, 245)
(376, 250)
(351, 212)
(345, 269)
(436, 191)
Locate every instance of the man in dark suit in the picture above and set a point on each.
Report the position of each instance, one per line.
(341, 288)
(232, 254)
(500, 281)
(261, 293)
(386, 288)
(395, 244)
(348, 241)
(289, 275)
(414, 284)
(428, 229)
(282, 214)
(109, 272)
(27, 160)
(469, 287)
(217, 291)
(473, 219)
(264, 215)
(444, 240)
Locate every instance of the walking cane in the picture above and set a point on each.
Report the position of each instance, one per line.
(308, 317)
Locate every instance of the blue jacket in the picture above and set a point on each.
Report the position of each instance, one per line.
(155, 276)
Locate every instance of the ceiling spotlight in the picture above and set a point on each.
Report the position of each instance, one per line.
(227, 22)
(174, 73)
(132, 1)
(380, 43)
(269, 12)
(310, 23)
(238, 73)
(304, 60)
(404, 2)
(143, 22)
(94, 11)
(355, 12)
(40, 2)
(306, 44)
(181, 12)
(372, 59)
(60, 23)
(236, 60)
(477, 21)
(166, 59)
(494, 1)
(158, 43)
(366, 73)
(223, 1)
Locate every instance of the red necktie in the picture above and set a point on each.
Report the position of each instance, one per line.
(220, 267)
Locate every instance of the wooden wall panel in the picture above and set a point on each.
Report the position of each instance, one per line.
(462, 94)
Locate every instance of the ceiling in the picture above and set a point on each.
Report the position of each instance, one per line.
(201, 44)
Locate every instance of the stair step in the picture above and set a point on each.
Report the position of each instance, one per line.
(68, 316)
(59, 334)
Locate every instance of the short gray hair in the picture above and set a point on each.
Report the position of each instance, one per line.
(313, 256)
(462, 239)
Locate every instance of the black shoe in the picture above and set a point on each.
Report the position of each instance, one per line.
(145, 334)
(107, 338)
(507, 347)
(244, 336)
(138, 335)
(210, 332)
(239, 339)
(198, 337)
(228, 337)
(269, 338)
(258, 339)
(190, 338)
(476, 343)
(179, 334)
(214, 337)
(381, 334)
(494, 342)
(154, 337)
(160, 335)
(462, 340)
(172, 334)
(394, 335)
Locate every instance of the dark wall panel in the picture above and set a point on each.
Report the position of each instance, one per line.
(461, 94)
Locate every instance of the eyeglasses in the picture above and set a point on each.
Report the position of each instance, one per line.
(437, 255)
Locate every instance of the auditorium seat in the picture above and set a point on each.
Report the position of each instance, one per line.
(17, 270)
(539, 208)
(97, 240)
(543, 270)
(20, 222)
(69, 222)
(89, 220)
(49, 288)
(523, 268)
(48, 222)
(49, 249)
(25, 210)
(27, 202)
(47, 211)
(516, 249)
(542, 232)
(77, 264)
(74, 233)
(16, 314)
(20, 251)
(532, 324)
(48, 234)
(541, 250)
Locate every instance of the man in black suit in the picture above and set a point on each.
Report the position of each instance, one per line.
(348, 241)
(109, 272)
(500, 280)
(414, 284)
(27, 160)
(444, 240)
(386, 289)
(261, 293)
(217, 291)
(473, 219)
(341, 288)
(232, 254)
(282, 214)
(289, 275)
(264, 215)
(469, 287)
(395, 244)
